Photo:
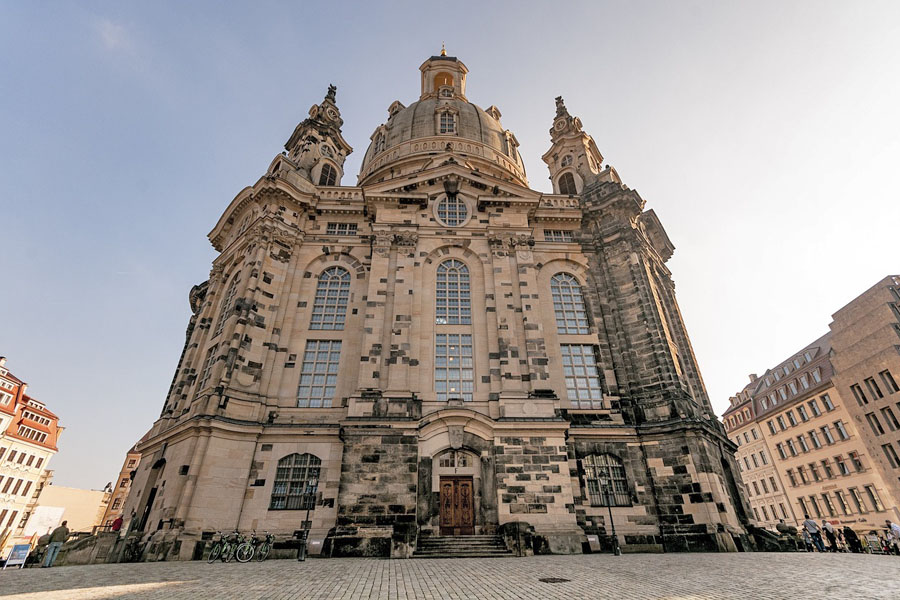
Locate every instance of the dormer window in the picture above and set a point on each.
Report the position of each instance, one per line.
(447, 122)
(566, 160)
(446, 92)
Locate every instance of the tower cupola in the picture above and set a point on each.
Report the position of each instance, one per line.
(573, 158)
(316, 148)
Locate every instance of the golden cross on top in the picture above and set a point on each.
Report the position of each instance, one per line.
(443, 50)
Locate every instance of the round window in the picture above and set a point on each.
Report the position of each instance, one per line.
(452, 211)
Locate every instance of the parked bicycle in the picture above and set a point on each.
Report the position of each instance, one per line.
(255, 547)
(225, 547)
(134, 549)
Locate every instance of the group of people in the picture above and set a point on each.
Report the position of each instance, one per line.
(844, 540)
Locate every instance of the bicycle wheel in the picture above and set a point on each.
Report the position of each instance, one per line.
(214, 553)
(262, 552)
(244, 552)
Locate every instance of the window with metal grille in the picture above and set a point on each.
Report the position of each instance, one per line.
(318, 375)
(559, 235)
(341, 229)
(447, 122)
(227, 304)
(296, 482)
(452, 211)
(454, 375)
(582, 375)
(330, 304)
(328, 175)
(567, 184)
(568, 304)
(453, 302)
(604, 476)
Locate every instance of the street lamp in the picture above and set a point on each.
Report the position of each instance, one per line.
(309, 496)
(606, 484)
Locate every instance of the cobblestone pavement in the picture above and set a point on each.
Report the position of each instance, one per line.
(644, 576)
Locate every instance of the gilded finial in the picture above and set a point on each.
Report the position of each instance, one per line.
(443, 50)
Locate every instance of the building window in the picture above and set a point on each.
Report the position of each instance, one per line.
(227, 304)
(771, 425)
(814, 438)
(296, 481)
(452, 211)
(891, 455)
(842, 503)
(330, 304)
(815, 505)
(567, 184)
(858, 394)
(453, 303)
(826, 400)
(873, 388)
(841, 465)
(875, 424)
(765, 486)
(318, 376)
(804, 381)
(826, 466)
(793, 387)
(765, 513)
(857, 500)
(791, 418)
(801, 472)
(582, 376)
(566, 160)
(803, 508)
(817, 375)
(328, 175)
(803, 445)
(857, 464)
(568, 304)
(454, 375)
(5, 398)
(755, 435)
(827, 433)
(781, 423)
(802, 412)
(207, 367)
(124, 482)
(447, 122)
(116, 504)
(791, 448)
(890, 419)
(791, 478)
(341, 229)
(606, 483)
(772, 482)
(762, 456)
(756, 488)
(814, 471)
(874, 499)
(842, 433)
(454, 459)
(559, 235)
(755, 462)
(889, 382)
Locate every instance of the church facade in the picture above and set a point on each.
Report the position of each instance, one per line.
(438, 351)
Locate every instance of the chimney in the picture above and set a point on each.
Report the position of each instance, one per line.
(753, 377)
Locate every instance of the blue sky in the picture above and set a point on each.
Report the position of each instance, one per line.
(765, 135)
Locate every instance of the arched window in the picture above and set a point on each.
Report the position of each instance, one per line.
(567, 184)
(227, 304)
(296, 482)
(453, 302)
(568, 304)
(330, 305)
(604, 476)
(448, 122)
(328, 175)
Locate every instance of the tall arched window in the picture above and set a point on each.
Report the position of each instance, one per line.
(568, 304)
(227, 304)
(328, 175)
(330, 305)
(296, 482)
(567, 184)
(453, 303)
(604, 476)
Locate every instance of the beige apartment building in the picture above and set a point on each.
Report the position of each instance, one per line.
(829, 418)
(754, 458)
(120, 487)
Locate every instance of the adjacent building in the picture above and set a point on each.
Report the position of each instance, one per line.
(120, 487)
(825, 421)
(83, 510)
(28, 438)
(439, 350)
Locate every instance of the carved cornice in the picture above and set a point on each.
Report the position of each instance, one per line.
(510, 240)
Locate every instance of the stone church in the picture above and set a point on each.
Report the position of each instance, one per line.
(438, 351)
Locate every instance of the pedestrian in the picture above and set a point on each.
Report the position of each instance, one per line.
(807, 541)
(57, 539)
(895, 535)
(828, 528)
(813, 528)
(852, 540)
(116, 524)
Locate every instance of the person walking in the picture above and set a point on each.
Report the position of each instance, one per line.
(813, 528)
(828, 528)
(57, 539)
(894, 530)
(807, 541)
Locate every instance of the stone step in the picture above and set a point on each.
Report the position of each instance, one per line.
(464, 546)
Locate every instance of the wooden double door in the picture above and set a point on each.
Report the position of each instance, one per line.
(457, 506)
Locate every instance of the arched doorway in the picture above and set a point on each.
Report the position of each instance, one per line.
(457, 477)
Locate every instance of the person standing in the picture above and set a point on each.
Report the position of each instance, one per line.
(895, 535)
(813, 529)
(829, 533)
(57, 539)
(807, 541)
(116, 524)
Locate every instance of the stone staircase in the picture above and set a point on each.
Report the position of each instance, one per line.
(463, 546)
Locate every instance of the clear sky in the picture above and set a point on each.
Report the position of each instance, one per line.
(766, 135)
